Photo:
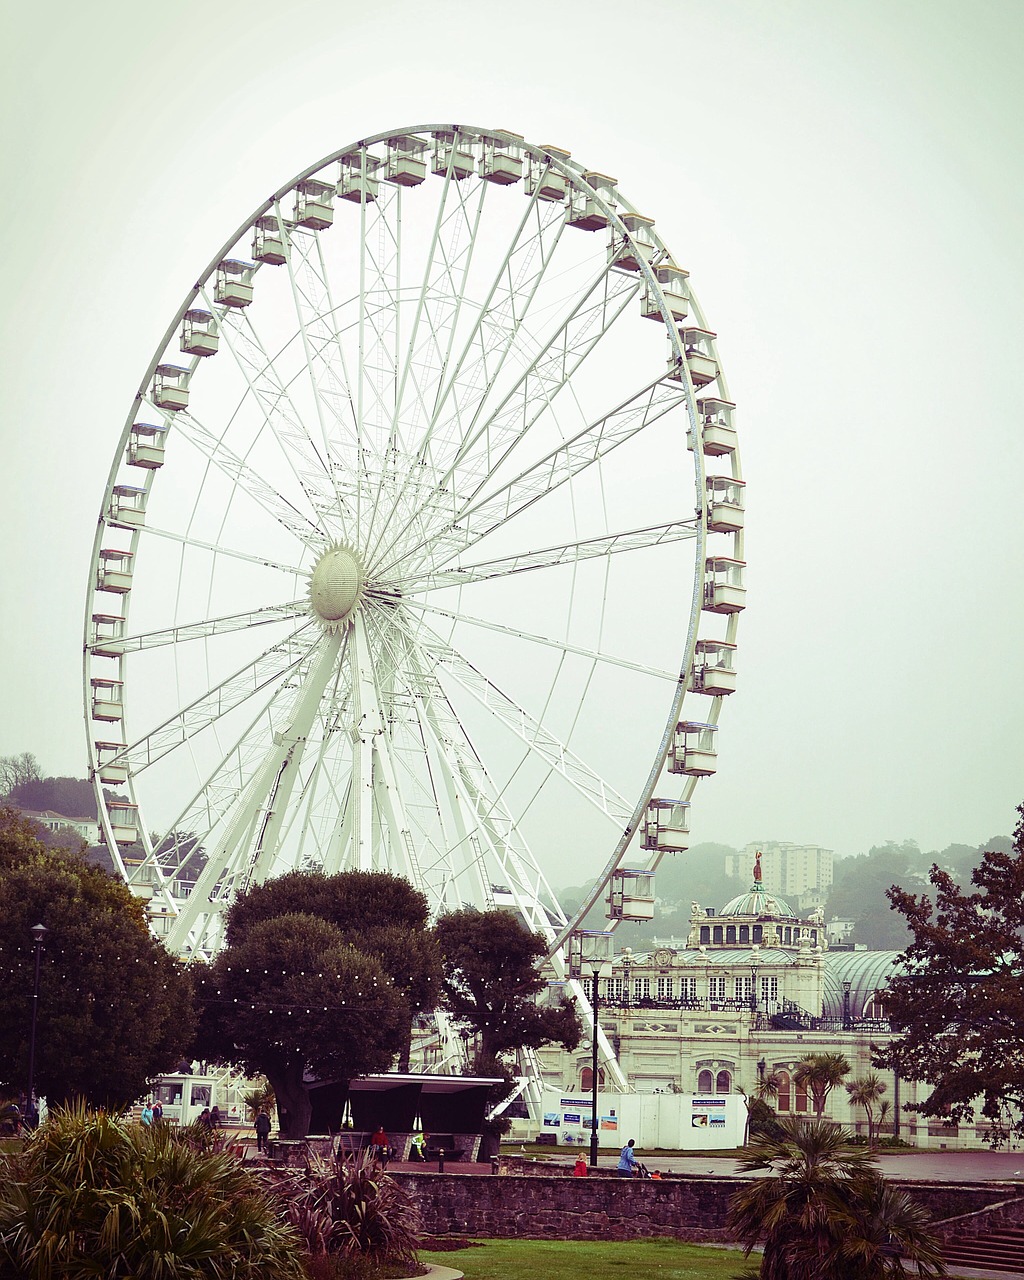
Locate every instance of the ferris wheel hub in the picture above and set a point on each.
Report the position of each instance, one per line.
(336, 587)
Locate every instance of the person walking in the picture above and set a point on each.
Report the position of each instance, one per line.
(626, 1168)
(147, 1115)
(417, 1146)
(262, 1131)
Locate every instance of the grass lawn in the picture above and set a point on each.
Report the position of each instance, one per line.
(595, 1259)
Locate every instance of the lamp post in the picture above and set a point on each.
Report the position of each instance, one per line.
(847, 1020)
(594, 1002)
(39, 933)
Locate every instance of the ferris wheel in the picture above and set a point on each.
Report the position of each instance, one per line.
(424, 520)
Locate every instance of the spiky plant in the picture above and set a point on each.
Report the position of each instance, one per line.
(92, 1195)
(827, 1214)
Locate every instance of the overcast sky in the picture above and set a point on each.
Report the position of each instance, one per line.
(842, 180)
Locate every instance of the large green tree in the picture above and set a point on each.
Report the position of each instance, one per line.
(381, 914)
(827, 1214)
(292, 1000)
(492, 979)
(958, 1006)
(114, 1008)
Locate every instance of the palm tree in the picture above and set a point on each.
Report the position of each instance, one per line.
(867, 1093)
(828, 1214)
(820, 1073)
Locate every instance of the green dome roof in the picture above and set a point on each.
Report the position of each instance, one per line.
(756, 902)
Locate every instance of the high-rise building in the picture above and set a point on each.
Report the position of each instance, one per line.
(796, 871)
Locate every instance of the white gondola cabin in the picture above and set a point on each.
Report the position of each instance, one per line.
(630, 251)
(314, 204)
(127, 508)
(501, 161)
(724, 590)
(667, 826)
(631, 895)
(542, 176)
(725, 504)
(107, 700)
(406, 161)
(700, 357)
(718, 435)
(452, 154)
(268, 242)
(359, 177)
(170, 387)
(114, 572)
(585, 212)
(713, 671)
(693, 749)
(199, 335)
(124, 820)
(107, 636)
(146, 446)
(108, 768)
(674, 288)
(233, 284)
(591, 949)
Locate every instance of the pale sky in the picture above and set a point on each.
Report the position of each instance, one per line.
(842, 180)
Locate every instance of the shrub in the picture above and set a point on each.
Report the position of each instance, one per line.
(91, 1195)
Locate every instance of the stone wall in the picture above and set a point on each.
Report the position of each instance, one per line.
(555, 1207)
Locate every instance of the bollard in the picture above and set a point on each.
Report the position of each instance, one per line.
(494, 1164)
(440, 1159)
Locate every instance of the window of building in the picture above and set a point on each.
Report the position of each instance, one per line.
(742, 988)
(705, 934)
(801, 1097)
(705, 1082)
(789, 934)
(687, 988)
(716, 988)
(814, 937)
(758, 935)
(744, 933)
(716, 933)
(769, 990)
(666, 989)
(723, 1082)
(587, 1079)
(730, 933)
(641, 989)
(613, 990)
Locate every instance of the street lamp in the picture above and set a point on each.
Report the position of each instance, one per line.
(594, 1003)
(39, 933)
(847, 1020)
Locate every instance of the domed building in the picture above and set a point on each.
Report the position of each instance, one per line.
(752, 990)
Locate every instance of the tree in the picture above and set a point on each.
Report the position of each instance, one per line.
(958, 1006)
(381, 914)
(292, 1000)
(15, 770)
(92, 1195)
(867, 1093)
(827, 1214)
(114, 1007)
(819, 1073)
(492, 979)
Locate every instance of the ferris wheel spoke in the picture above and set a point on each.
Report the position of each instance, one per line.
(550, 557)
(218, 549)
(307, 461)
(588, 448)
(255, 677)
(486, 447)
(492, 837)
(208, 627)
(246, 478)
(540, 742)
(594, 655)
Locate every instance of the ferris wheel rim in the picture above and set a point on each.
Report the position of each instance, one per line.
(575, 174)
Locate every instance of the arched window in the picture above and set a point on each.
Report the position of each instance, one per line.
(723, 1082)
(800, 1103)
(782, 1101)
(704, 1082)
(587, 1079)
